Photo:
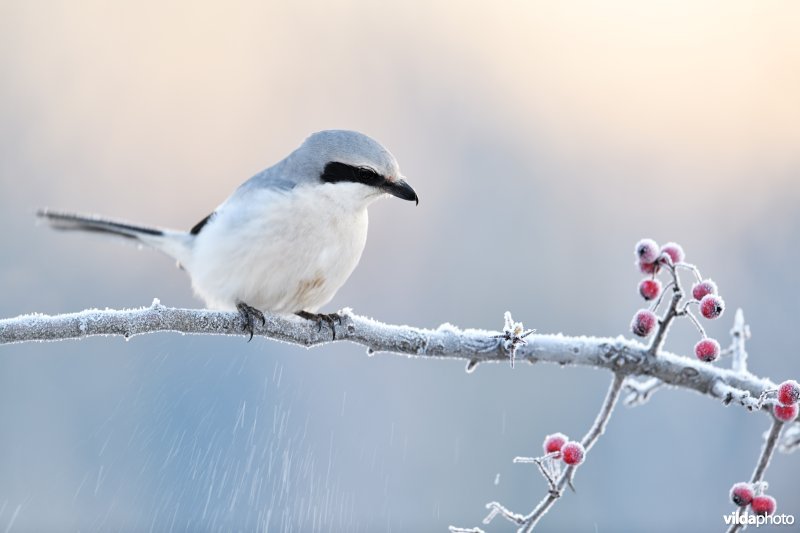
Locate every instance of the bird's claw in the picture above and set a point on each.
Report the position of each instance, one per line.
(331, 319)
(249, 315)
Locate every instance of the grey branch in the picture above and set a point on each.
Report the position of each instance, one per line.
(619, 355)
(730, 394)
(766, 453)
(496, 508)
(640, 391)
(556, 486)
(739, 333)
(763, 460)
(790, 439)
(588, 441)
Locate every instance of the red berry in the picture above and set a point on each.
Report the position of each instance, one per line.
(553, 443)
(647, 251)
(707, 350)
(706, 286)
(785, 413)
(573, 453)
(674, 251)
(711, 306)
(650, 288)
(742, 494)
(644, 322)
(648, 268)
(763, 505)
(789, 392)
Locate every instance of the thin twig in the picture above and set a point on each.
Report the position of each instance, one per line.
(640, 391)
(693, 269)
(496, 508)
(763, 461)
(740, 333)
(661, 296)
(700, 328)
(600, 423)
(790, 439)
(594, 433)
(670, 315)
(767, 451)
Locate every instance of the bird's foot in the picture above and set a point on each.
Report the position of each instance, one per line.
(331, 319)
(249, 315)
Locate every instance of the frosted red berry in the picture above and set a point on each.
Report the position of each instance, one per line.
(763, 505)
(707, 350)
(648, 268)
(650, 288)
(706, 286)
(789, 392)
(674, 251)
(646, 251)
(711, 306)
(785, 413)
(643, 323)
(572, 453)
(742, 494)
(553, 443)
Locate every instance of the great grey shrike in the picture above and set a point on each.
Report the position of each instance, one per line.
(287, 239)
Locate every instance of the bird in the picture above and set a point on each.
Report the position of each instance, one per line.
(287, 239)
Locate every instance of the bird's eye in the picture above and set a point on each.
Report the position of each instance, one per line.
(336, 172)
(367, 172)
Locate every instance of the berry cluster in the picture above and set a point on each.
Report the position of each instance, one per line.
(558, 447)
(651, 259)
(744, 494)
(788, 397)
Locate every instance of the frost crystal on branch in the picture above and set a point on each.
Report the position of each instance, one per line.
(513, 336)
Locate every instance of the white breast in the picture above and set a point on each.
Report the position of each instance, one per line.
(281, 251)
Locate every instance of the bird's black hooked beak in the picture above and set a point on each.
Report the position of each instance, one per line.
(401, 189)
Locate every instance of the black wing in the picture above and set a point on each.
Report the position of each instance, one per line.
(197, 227)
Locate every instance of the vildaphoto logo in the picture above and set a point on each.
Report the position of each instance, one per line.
(750, 519)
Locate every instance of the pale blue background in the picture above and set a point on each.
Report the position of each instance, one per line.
(543, 140)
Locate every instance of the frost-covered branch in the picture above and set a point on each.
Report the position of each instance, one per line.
(740, 333)
(619, 355)
(767, 451)
(671, 314)
(594, 433)
(732, 387)
(626, 359)
(550, 464)
(790, 439)
(640, 391)
(729, 394)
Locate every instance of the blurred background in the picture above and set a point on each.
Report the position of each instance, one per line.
(544, 139)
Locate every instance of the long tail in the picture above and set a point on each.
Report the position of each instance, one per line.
(176, 244)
